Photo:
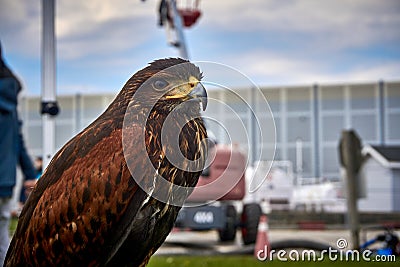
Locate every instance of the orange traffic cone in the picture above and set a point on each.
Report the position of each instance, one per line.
(262, 247)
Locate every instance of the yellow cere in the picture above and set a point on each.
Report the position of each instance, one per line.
(183, 89)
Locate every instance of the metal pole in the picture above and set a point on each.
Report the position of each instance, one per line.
(299, 159)
(179, 30)
(253, 125)
(317, 170)
(48, 80)
(351, 160)
(382, 107)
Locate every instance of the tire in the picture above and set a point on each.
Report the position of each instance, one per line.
(228, 233)
(250, 218)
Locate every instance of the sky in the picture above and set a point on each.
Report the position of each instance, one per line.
(100, 44)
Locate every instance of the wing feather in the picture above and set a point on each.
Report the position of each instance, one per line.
(84, 204)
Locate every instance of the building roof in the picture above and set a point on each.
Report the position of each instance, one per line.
(388, 156)
(391, 153)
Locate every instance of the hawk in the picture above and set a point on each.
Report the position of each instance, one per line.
(111, 195)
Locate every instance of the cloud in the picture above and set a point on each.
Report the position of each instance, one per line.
(102, 28)
(82, 27)
(20, 27)
(386, 71)
(343, 24)
(266, 69)
(274, 42)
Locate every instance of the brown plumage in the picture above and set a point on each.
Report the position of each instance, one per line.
(99, 203)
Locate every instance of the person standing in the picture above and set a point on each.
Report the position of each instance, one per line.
(12, 150)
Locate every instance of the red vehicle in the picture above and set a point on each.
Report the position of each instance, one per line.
(215, 201)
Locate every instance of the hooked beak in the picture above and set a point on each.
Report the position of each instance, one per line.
(200, 93)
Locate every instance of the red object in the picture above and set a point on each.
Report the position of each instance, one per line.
(189, 16)
(263, 246)
(227, 176)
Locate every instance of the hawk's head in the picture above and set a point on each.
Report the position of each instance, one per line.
(166, 83)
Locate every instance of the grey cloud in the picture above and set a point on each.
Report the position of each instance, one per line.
(345, 23)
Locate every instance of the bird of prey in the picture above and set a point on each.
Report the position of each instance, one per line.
(111, 195)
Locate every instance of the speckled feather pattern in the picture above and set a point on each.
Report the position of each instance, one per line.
(87, 210)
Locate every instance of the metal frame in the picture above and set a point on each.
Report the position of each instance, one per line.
(178, 26)
(48, 79)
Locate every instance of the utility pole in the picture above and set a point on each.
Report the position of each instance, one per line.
(351, 160)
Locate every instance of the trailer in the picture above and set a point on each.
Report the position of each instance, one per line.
(217, 200)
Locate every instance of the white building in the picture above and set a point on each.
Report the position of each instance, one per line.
(315, 114)
(380, 175)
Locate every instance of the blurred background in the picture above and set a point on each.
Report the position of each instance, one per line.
(102, 43)
(323, 67)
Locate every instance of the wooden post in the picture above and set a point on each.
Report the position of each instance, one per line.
(351, 159)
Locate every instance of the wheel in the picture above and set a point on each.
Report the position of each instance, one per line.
(228, 233)
(250, 218)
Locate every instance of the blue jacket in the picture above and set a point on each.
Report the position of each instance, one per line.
(12, 148)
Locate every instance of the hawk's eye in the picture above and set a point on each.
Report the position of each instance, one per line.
(160, 84)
